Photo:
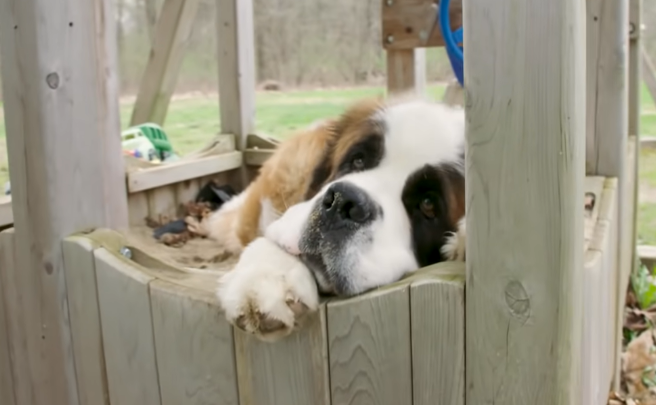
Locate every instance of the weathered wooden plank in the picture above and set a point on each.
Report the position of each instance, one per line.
(6, 211)
(176, 172)
(84, 313)
(194, 345)
(162, 203)
(413, 23)
(525, 167)
(187, 191)
(235, 33)
(293, 371)
(635, 68)
(138, 207)
(607, 86)
(600, 300)
(174, 27)
(406, 71)
(369, 349)
(127, 331)
(437, 309)
(627, 240)
(60, 94)
(6, 265)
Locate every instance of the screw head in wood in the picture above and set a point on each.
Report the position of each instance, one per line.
(390, 39)
(126, 252)
(390, 2)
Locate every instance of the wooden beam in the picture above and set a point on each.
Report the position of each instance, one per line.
(158, 83)
(413, 23)
(60, 89)
(648, 73)
(525, 173)
(235, 35)
(406, 71)
(607, 87)
(180, 171)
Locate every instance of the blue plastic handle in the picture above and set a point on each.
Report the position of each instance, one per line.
(451, 40)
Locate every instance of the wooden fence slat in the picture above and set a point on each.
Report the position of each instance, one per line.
(369, 349)
(84, 313)
(6, 377)
(437, 311)
(127, 331)
(194, 346)
(292, 371)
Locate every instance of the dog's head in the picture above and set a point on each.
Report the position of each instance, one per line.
(387, 193)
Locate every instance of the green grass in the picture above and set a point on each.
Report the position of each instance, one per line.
(191, 122)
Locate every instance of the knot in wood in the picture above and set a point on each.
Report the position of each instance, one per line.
(48, 268)
(517, 300)
(53, 80)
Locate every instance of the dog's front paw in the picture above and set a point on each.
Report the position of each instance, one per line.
(455, 247)
(269, 292)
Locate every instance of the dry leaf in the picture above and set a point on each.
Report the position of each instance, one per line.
(638, 365)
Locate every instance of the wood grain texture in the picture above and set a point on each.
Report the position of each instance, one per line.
(412, 23)
(600, 300)
(180, 171)
(127, 331)
(635, 68)
(172, 33)
(607, 86)
(195, 353)
(406, 71)
(6, 374)
(627, 242)
(60, 94)
(437, 310)
(235, 33)
(162, 203)
(369, 348)
(138, 208)
(84, 313)
(292, 371)
(6, 211)
(525, 105)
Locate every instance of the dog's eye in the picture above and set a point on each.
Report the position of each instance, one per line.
(427, 208)
(357, 163)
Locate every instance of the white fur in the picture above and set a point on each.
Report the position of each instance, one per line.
(267, 281)
(416, 133)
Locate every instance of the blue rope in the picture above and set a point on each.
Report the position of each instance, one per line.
(451, 40)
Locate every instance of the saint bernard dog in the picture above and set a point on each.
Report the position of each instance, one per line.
(345, 206)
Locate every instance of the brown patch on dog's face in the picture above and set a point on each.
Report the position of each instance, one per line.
(357, 144)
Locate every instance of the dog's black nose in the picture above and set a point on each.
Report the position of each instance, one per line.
(344, 202)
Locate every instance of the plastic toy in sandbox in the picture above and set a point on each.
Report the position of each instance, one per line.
(148, 142)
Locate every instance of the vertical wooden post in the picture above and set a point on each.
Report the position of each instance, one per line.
(236, 68)
(628, 241)
(157, 86)
(525, 84)
(60, 93)
(607, 87)
(406, 71)
(635, 69)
